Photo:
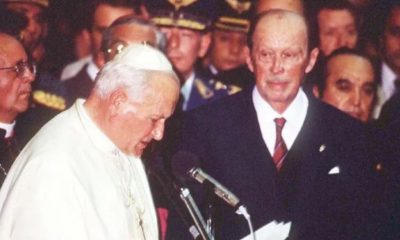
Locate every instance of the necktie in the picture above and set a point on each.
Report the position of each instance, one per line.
(280, 149)
(9, 151)
(13, 146)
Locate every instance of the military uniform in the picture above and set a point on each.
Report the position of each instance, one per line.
(48, 99)
(195, 15)
(206, 89)
(190, 14)
(233, 16)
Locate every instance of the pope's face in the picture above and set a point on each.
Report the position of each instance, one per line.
(139, 122)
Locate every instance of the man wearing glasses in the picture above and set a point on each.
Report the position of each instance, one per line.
(16, 76)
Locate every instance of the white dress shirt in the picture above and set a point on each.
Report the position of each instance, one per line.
(388, 78)
(294, 115)
(186, 89)
(8, 127)
(73, 68)
(385, 90)
(72, 182)
(92, 70)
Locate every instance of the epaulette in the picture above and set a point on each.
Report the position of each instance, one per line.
(49, 100)
(204, 90)
(229, 88)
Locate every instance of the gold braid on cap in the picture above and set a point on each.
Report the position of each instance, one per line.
(239, 6)
(181, 3)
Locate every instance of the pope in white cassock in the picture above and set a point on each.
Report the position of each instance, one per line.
(81, 177)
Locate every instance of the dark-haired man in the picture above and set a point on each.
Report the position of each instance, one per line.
(104, 13)
(349, 83)
(187, 28)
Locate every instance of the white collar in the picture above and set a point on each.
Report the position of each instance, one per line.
(92, 70)
(95, 134)
(295, 115)
(9, 127)
(213, 69)
(187, 89)
(388, 78)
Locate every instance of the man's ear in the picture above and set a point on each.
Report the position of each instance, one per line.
(312, 59)
(117, 99)
(316, 92)
(205, 42)
(249, 61)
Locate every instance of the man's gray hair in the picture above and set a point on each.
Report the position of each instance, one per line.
(108, 39)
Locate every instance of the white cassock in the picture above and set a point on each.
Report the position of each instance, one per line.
(72, 182)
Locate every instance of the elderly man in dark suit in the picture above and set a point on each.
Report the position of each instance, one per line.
(16, 77)
(288, 157)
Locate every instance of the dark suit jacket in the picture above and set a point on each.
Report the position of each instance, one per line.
(227, 138)
(390, 110)
(79, 86)
(9, 149)
(388, 141)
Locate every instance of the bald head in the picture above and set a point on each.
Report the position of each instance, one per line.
(290, 5)
(278, 20)
(7, 45)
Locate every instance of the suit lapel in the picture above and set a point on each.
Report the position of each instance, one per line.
(253, 157)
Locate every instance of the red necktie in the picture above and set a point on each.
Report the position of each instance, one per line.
(280, 149)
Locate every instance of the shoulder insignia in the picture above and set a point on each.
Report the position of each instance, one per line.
(49, 100)
(219, 85)
(232, 89)
(204, 91)
(181, 3)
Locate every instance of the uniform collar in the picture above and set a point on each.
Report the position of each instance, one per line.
(388, 78)
(187, 89)
(92, 70)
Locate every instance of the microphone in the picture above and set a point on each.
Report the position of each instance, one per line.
(202, 177)
(171, 189)
(185, 163)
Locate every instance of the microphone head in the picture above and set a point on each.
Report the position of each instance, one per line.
(182, 162)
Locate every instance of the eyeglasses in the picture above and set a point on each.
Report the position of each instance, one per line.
(21, 67)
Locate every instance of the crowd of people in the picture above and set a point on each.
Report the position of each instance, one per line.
(293, 105)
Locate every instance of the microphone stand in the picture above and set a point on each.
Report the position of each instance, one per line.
(194, 212)
(242, 210)
(210, 213)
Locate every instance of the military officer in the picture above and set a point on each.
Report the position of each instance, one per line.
(229, 49)
(187, 26)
